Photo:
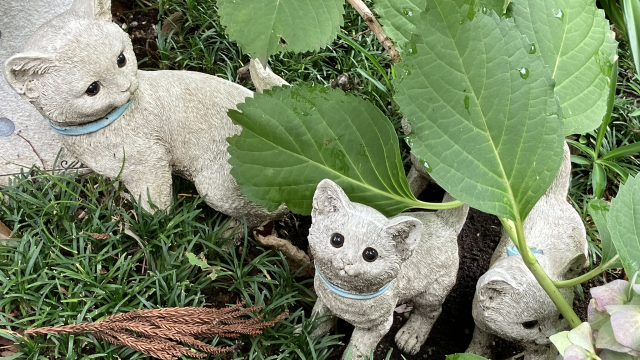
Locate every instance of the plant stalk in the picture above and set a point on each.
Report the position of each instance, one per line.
(438, 206)
(543, 279)
(586, 277)
(376, 28)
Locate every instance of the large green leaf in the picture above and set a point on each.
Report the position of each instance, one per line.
(482, 110)
(574, 40)
(599, 209)
(624, 224)
(295, 137)
(499, 6)
(632, 20)
(267, 26)
(399, 18)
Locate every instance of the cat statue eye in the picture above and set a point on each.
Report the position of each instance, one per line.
(337, 240)
(93, 89)
(370, 254)
(122, 60)
(530, 324)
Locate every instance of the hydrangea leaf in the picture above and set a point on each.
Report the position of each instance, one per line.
(626, 326)
(265, 27)
(582, 337)
(607, 340)
(560, 341)
(399, 18)
(598, 209)
(294, 137)
(611, 293)
(596, 317)
(574, 40)
(612, 355)
(482, 110)
(624, 224)
(499, 6)
(575, 352)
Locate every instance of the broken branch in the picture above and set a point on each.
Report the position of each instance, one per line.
(375, 26)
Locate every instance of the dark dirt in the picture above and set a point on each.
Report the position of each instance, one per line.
(140, 24)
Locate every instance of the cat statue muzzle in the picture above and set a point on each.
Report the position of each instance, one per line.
(366, 264)
(509, 302)
(80, 72)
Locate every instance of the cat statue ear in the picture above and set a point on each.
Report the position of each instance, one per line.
(23, 70)
(329, 198)
(497, 285)
(92, 9)
(406, 233)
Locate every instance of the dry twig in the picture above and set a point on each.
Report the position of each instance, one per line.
(375, 26)
(158, 332)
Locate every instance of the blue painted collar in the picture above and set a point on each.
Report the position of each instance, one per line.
(75, 130)
(350, 295)
(512, 250)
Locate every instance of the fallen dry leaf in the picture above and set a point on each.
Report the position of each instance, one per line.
(5, 232)
(100, 236)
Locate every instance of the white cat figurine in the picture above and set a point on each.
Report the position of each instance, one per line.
(366, 264)
(509, 302)
(80, 72)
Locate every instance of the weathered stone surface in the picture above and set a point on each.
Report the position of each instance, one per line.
(23, 133)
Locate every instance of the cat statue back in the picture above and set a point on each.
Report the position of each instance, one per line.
(366, 264)
(80, 72)
(509, 302)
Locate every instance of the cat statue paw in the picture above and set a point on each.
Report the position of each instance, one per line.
(509, 302)
(366, 264)
(80, 72)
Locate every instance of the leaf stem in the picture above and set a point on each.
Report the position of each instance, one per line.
(588, 276)
(543, 279)
(438, 206)
(510, 227)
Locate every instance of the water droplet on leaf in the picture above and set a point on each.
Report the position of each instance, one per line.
(558, 14)
(532, 49)
(484, 10)
(524, 73)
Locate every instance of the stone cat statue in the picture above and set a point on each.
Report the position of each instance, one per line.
(366, 264)
(509, 302)
(80, 72)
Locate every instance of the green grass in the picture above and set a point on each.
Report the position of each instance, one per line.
(57, 273)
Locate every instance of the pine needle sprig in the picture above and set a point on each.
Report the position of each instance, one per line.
(160, 332)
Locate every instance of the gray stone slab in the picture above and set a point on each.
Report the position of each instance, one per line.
(25, 139)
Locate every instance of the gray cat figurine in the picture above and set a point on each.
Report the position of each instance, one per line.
(366, 264)
(509, 302)
(80, 72)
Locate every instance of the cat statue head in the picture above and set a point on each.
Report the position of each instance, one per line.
(510, 303)
(76, 68)
(354, 246)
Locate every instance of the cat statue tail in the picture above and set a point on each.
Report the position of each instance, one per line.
(453, 218)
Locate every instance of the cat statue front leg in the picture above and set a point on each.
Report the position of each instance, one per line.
(322, 313)
(365, 339)
(426, 309)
